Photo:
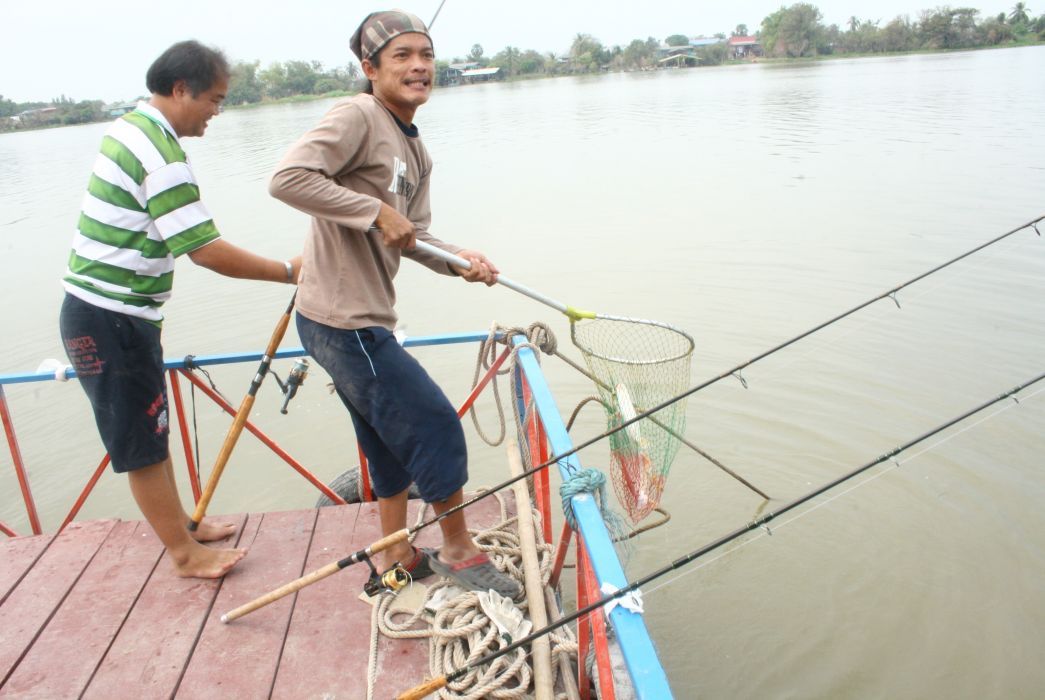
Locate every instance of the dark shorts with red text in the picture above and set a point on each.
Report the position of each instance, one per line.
(119, 362)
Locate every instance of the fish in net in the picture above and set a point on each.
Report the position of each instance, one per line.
(637, 365)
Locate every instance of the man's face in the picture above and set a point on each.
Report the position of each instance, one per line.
(195, 111)
(403, 82)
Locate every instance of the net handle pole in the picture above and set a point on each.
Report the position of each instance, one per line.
(457, 260)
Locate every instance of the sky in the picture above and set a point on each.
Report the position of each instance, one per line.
(89, 51)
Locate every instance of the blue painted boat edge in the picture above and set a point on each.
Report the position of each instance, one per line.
(640, 656)
(232, 358)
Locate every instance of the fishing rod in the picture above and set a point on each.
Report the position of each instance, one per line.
(437, 11)
(402, 535)
(435, 684)
(243, 413)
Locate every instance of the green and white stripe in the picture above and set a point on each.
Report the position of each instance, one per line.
(142, 209)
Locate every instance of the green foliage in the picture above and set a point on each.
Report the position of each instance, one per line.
(83, 112)
(507, 60)
(7, 107)
(59, 112)
(531, 62)
(862, 37)
(1019, 14)
(640, 54)
(712, 55)
(587, 54)
(244, 85)
(792, 31)
(249, 85)
(899, 35)
(948, 28)
(993, 32)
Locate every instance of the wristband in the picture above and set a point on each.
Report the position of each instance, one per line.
(290, 271)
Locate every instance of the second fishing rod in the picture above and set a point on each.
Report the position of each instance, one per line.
(402, 535)
(430, 686)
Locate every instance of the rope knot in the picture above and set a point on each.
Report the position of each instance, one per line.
(540, 335)
(592, 481)
(583, 481)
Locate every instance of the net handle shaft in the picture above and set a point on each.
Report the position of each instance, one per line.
(572, 313)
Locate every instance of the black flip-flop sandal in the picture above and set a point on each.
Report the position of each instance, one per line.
(476, 574)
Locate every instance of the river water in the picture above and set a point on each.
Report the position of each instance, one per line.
(746, 205)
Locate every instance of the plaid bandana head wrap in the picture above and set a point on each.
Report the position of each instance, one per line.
(379, 28)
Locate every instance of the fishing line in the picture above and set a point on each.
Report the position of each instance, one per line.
(835, 342)
(434, 684)
(366, 553)
(190, 365)
(734, 372)
(896, 464)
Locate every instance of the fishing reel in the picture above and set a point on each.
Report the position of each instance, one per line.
(295, 379)
(393, 580)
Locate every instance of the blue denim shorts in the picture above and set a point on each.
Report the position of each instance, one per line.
(119, 362)
(408, 429)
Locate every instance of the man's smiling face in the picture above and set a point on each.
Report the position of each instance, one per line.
(403, 80)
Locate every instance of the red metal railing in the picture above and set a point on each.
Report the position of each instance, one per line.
(592, 629)
(589, 632)
(16, 455)
(179, 409)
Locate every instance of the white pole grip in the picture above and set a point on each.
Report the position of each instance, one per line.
(501, 279)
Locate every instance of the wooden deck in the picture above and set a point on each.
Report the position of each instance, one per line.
(97, 612)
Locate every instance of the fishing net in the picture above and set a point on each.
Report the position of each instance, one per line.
(638, 364)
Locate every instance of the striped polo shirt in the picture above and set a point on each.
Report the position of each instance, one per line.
(142, 209)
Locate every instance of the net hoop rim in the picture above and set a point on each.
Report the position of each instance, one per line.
(644, 321)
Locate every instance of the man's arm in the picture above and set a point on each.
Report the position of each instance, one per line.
(232, 261)
(304, 178)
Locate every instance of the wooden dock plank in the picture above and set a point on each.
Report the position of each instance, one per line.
(144, 632)
(240, 660)
(81, 631)
(149, 654)
(18, 554)
(328, 642)
(40, 592)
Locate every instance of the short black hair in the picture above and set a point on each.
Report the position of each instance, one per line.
(198, 65)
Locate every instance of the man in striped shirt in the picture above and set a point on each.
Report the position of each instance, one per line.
(141, 211)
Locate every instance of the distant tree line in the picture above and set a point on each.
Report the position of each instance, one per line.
(790, 32)
(798, 31)
(250, 84)
(60, 111)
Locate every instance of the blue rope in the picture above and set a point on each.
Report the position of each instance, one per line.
(591, 481)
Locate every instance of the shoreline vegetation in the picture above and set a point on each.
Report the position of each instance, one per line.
(794, 33)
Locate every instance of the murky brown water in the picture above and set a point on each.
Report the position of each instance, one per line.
(745, 205)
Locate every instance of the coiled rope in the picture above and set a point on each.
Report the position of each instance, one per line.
(460, 631)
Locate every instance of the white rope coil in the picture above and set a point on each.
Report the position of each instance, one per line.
(460, 632)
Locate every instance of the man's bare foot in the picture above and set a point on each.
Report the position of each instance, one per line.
(199, 561)
(212, 532)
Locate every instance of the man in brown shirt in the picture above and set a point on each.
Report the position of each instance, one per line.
(365, 166)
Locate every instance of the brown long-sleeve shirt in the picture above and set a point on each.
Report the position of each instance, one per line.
(339, 173)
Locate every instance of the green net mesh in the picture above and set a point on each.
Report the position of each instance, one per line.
(638, 364)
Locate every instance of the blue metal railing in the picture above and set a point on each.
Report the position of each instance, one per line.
(644, 667)
(641, 658)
